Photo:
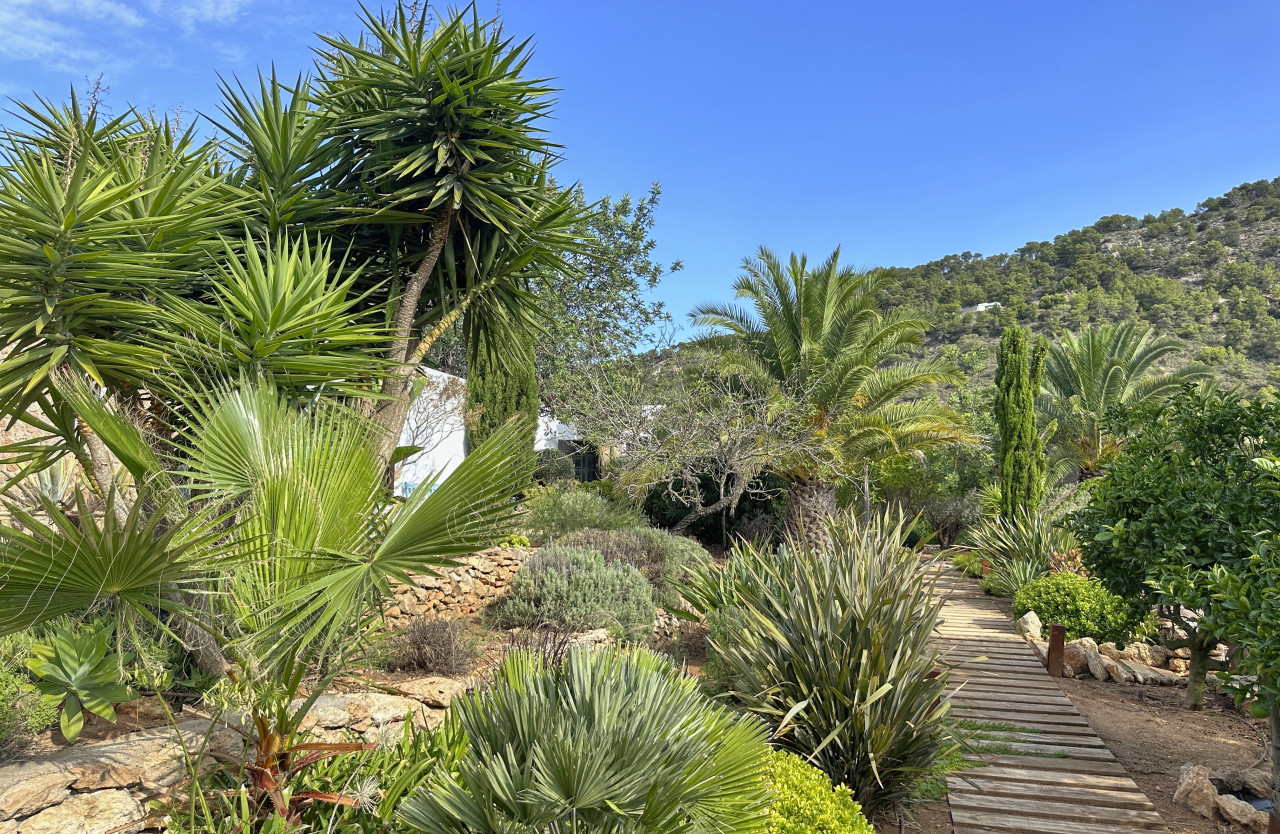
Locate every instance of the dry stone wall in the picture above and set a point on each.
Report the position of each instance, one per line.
(458, 592)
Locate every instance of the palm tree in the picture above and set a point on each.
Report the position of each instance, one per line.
(1102, 368)
(258, 533)
(820, 336)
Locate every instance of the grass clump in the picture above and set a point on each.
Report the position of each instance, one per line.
(434, 646)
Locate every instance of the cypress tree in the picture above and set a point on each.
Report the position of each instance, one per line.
(500, 385)
(1019, 373)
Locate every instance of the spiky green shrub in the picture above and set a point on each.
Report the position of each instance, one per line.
(832, 648)
(575, 589)
(660, 556)
(1019, 549)
(610, 741)
(1081, 604)
(556, 510)
(805, 801)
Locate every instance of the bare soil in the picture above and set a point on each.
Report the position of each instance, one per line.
(1153, 735)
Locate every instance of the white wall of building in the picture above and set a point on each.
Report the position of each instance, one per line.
(437, 423)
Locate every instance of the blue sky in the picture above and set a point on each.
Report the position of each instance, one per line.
(900, 131)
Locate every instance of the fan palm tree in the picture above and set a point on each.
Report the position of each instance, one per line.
(258, 526)
(1102, 368)
(820, 336)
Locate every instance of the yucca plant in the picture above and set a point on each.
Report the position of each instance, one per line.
(1019, 550)
(609, 741)
(831, 647)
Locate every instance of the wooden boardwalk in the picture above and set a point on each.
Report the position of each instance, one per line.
(1051, 774)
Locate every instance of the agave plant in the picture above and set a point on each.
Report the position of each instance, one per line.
(607, 741)
(831, 647)
(77, 673)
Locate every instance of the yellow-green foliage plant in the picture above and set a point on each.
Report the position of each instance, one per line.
(805, 801)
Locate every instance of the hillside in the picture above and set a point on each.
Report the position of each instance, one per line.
(1210, 277)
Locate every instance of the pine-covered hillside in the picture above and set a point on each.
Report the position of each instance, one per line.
(1210, 277)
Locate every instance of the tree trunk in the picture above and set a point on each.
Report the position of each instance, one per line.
(811, 504)
(1197, 670)
(1274, 822)
(866, 494)
(392, 415)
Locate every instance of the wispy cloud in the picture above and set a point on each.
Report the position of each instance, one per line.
(192, 13)
(65, 34)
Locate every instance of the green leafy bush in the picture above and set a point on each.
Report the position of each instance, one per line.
(1081, 604)
(22, 711)
(660, 556)
(609, 741)
(574, 588)
(553, 465)
(514, 540)
(837, 639)
(967, 561)
(553, 512)
(805, 802)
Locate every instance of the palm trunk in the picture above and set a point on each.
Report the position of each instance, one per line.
(811, 504)
(391, 415)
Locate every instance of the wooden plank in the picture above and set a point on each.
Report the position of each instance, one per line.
(1078, 812)
(1072, 730)
(967, 783)
(1068, 765)
(1002, 706)
(1028, 718)
(1037, 776)
(1014, 697)
(1093, 754)
(965, 819)
(1043, 738)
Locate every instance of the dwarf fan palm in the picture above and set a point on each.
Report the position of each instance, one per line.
(819, 334)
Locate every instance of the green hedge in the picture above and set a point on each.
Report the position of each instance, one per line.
(1081, 604)
(554, 511)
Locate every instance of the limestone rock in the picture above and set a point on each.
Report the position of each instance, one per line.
(1196, 791)
(1183, 653)
(1029, 625)
(8, 827)
(96, 776)
(434, 691)
(1041, 650)
(1097, 667)
(1241, 814)
(88, 813)
(1256, 782)
(1074, 660)
(1115, 671)
(1142, 653)
(358, 711)
(1179, 666)
(29, 792)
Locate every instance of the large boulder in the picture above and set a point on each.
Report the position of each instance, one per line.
(1143, 653)
(1241, 814)
(1075, 661)
(1196, 791)
(1256, 782)
(89, 813)
(434, 691)
(28, 788)
(358, 711)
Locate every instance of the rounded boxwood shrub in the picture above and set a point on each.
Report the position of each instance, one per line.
(575, 589)
(1081, 604)
(805, 802)
(660, 556)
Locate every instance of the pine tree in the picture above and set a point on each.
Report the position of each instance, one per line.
(1019, 373)
(500, 385)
